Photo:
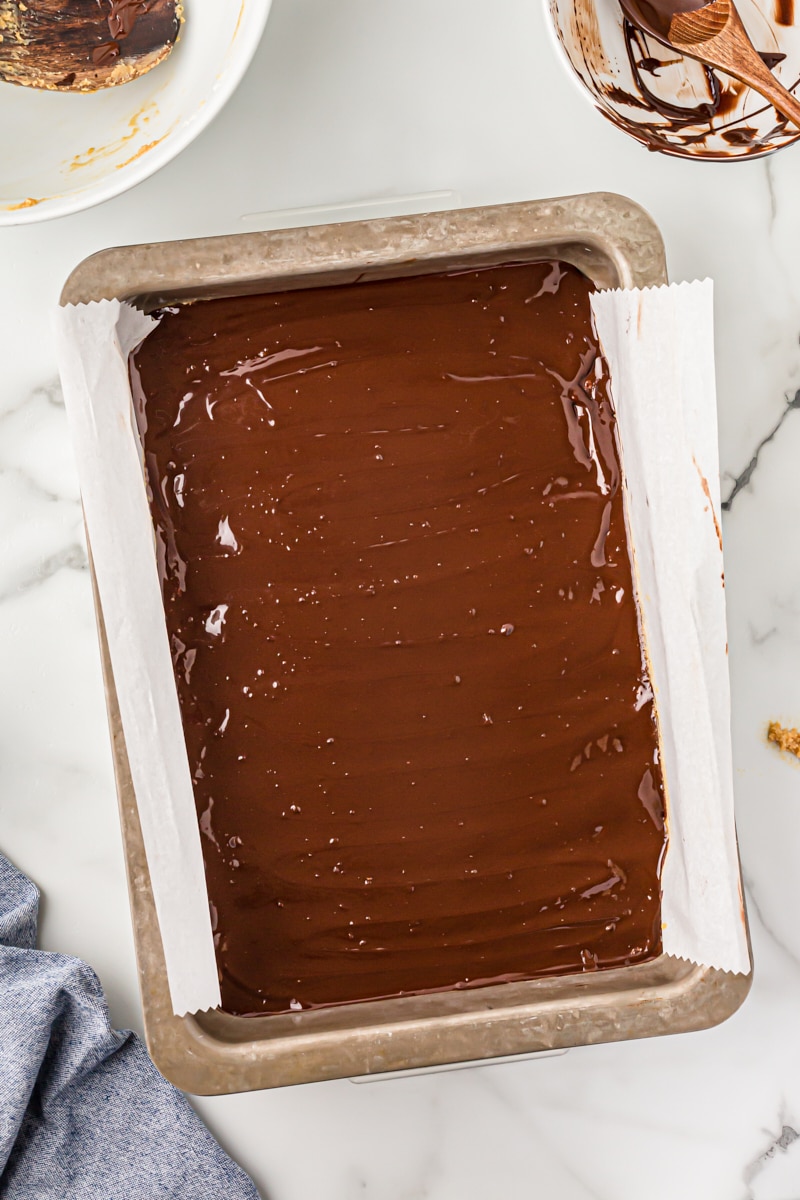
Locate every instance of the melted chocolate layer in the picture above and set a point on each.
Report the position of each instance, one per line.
(399, 597)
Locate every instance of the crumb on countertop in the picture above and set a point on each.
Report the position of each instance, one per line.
(784, 739)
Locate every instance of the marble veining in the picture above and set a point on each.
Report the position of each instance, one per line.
(745, 476)
(710, 1116)
(778, 1144)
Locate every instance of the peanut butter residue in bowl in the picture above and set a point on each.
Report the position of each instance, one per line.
(784, 739)
(83, 45)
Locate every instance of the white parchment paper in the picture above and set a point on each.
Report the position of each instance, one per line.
(659, 344)
(94, 341)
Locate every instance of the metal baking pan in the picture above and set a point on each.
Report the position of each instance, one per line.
(616, 244)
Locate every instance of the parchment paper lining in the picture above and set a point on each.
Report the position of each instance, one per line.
(94, 341)
(659, 344)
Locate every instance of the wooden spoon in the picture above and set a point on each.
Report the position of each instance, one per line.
(713, 34)
(83, 45)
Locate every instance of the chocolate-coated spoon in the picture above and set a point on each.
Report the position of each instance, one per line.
(713, 34)
(82, 45)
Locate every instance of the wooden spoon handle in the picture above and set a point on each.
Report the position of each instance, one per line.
(715, 34)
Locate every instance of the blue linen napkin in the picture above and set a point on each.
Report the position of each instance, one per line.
(84, 1113)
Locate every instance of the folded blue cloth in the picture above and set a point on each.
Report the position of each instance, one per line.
(84, 1114)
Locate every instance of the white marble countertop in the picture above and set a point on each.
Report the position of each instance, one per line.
(367, 99)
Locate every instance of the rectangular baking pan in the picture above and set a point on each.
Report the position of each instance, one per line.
(616, 244)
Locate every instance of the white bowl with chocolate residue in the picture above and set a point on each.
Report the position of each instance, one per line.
(65, 151)
(671, 103)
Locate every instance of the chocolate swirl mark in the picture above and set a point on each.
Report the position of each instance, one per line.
(124, 14)
(651, 800)
(106, 53)
(646, 59)
(591, 435)
(642, 62)
(585, 33)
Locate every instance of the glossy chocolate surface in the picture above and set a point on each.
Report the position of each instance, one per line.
(397, 585)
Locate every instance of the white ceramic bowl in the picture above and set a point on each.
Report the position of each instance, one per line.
(62, 151)
(654, 94)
